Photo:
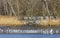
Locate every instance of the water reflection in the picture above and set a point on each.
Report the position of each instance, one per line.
(41, 31)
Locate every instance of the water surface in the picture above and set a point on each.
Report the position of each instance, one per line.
(29, 35)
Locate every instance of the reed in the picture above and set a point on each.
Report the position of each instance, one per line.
(21, 8)
(30, 8)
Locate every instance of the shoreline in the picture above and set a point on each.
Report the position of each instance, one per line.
(25, 30)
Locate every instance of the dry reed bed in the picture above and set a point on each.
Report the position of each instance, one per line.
(10, 21)
(47, 22)
(13, 21)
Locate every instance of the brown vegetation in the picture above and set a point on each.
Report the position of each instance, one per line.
(13, 21)
(47, 22)
(19, 8)
(10, 21)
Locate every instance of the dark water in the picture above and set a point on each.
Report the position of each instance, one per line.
(29, 36)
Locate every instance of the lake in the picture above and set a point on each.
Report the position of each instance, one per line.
(29, 35)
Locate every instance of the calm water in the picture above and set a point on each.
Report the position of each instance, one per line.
(29, 36)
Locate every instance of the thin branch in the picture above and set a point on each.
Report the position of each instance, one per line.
(12, 8)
